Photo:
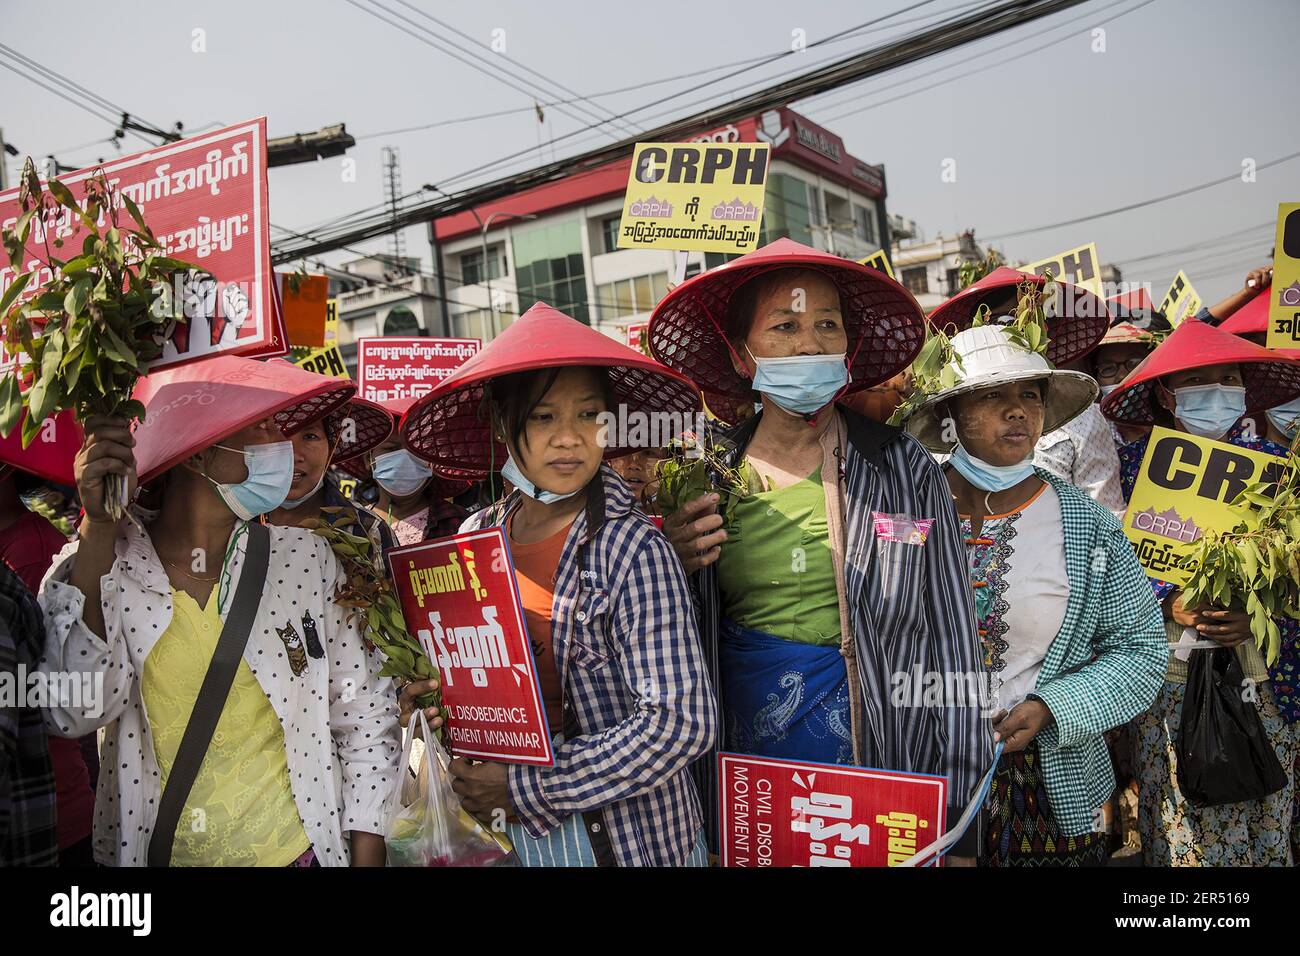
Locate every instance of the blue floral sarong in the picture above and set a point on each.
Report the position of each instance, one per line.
(783, 698)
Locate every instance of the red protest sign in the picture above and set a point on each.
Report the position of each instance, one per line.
(793, 813)
(52, 451)
(205, 200)
(460, 599)
(389, 369)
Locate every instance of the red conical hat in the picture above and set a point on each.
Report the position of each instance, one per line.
(189, 407)
(449, 429)
(1269, 378)
(50, 459)
(1251, 318)
(358, 466)
(885, 326)
(1126, 303)
(371, 424)
(1072, 335)
(1126, 333)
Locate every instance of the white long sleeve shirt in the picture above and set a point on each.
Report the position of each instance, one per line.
(1083, 453)
(341, 734)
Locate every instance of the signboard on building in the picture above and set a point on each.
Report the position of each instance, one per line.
(205, 199)
(392, 368)
(705, 197)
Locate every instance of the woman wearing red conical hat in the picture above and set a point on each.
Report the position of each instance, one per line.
(28, 544)
(607, 606)
(142, 610)
(1082, 451)
(1206, 382)
(412, 500)
(807, 655)
(1136, 329)
(1250, 322)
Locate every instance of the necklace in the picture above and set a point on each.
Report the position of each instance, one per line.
(189, 574)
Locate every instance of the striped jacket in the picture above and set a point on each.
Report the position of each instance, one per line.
(625, 642)
(924, 625)
(1106, 663)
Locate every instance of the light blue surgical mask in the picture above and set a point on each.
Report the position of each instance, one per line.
(988, 477)
(292, 503)
(1285, 418)
(801, 384)
(270, 475)
(511, 473)
(400, 473)
(1209, 410)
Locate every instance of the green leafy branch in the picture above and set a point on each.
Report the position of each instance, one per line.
(934, 369)
(1028, 329)
(369, 595)
(1255, 567)
(84, 338)
(695, 467)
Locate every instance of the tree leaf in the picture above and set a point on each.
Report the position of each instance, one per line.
(11, 403)
(63, 194)
(74, 303)
(15, 289)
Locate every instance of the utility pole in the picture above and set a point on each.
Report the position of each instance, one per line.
(392, 194)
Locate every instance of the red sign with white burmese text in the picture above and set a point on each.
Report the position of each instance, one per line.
(793, 813)
(205, 200)
(390, 369)
(460, 599)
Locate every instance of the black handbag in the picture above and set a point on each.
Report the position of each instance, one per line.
(1224, 756)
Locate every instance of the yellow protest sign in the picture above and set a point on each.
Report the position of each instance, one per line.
(706, 197)
(1180, 301)
(327, 360)
(1079, 267)
(1185, 488)
(879, 261)
(1284, 304)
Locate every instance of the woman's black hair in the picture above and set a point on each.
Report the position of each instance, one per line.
(510, 399)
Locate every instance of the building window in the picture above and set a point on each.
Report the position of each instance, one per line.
(631, 296)
(864, 221)
(609, 233)
(471, 265)
(401, 321)
(915, 280)
(814, 200)
(786, 212)
(549, 268)
(954, 281)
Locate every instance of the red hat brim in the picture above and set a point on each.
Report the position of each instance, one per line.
(447, 427)
(1072, 334)
(190, 407)
(884, 324)
(1251, 318)
(52, 460)
(1270, 378)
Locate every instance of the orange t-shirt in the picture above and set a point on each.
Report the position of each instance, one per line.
(535, 568)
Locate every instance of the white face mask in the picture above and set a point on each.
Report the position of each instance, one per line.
(295, 502)
(400, 473)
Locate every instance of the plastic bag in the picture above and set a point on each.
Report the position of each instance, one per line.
(1224, 756)
(433, 829)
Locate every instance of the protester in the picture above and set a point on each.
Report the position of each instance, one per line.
(1204, 381)
(607, 606)
(1278, 424)
(28, 834)
(638, 471)
(412, 499)
(349, 432)
(1082, 451)
(1256, 281)
(305, 750)
(1073, 639)
(805, 652)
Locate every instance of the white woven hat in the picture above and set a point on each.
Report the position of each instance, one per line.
(988, 357)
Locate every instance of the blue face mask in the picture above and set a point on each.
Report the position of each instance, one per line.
(1285, 418)
(988, 477)
(511, 473)
(270, 475)
(400, 473)
(1209, 410)
(801, 384)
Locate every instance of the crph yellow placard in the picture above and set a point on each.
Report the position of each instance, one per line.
(1185, 488)
(706, 197)
(879, 261)
(1284, 304)
(1180, 301)
(1077, 266)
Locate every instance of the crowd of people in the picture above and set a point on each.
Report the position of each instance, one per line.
(780, 614)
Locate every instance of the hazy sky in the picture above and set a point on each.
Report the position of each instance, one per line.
(1046, 131)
